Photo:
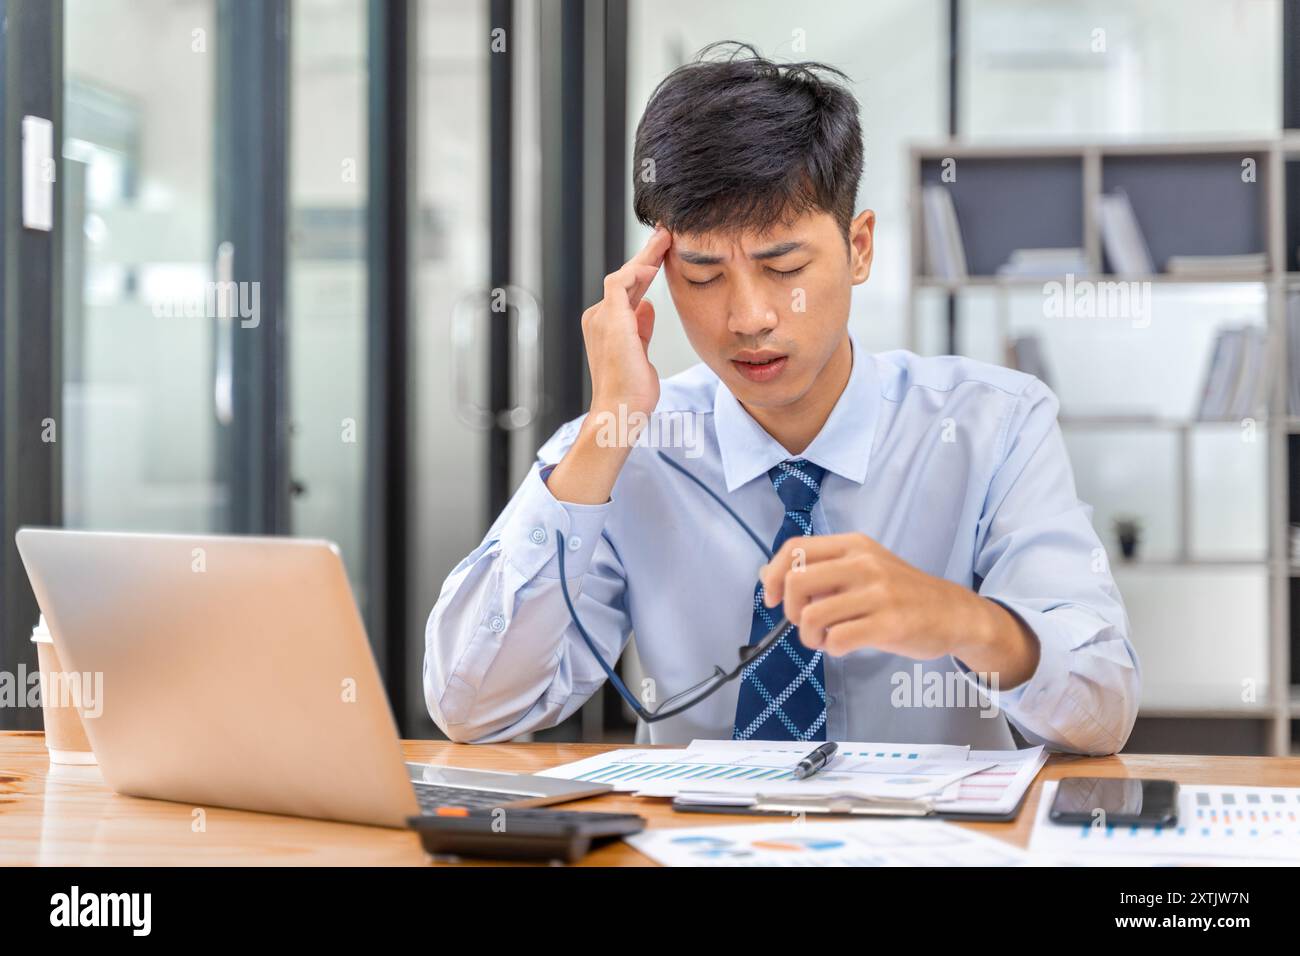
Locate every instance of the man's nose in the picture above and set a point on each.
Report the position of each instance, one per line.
(749, 312)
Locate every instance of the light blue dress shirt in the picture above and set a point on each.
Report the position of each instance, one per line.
(956, 466)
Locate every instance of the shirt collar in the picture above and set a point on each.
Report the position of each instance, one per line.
(843, 446)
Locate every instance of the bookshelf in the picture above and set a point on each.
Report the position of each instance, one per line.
(1189, 199)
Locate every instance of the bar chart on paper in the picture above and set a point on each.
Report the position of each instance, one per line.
(763, 765)
(641, 769)
(902, 771)
(1215, 823)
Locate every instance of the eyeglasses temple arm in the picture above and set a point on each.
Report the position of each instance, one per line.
(726, 507)
(619, 686)
(591, 645)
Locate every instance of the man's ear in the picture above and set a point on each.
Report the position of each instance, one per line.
(862, 245)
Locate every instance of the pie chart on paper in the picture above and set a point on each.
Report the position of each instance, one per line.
(798, 844)
(709, 846)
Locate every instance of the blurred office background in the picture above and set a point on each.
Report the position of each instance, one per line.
(378, 167)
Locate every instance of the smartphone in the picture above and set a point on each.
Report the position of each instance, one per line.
(1115, 802)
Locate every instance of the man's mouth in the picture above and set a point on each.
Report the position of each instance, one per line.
(759, 366)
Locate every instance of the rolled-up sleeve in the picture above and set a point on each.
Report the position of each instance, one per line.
(502, 656)
(1039, 556)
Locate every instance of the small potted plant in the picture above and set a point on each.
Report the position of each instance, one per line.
(1129, 531)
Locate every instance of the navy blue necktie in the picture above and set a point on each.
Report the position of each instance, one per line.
(783, 692)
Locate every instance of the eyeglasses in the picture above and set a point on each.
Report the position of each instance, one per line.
(720, 677)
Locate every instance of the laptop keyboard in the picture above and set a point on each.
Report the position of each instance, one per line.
(431, 796)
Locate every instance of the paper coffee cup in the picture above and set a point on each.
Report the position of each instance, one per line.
(65, 735)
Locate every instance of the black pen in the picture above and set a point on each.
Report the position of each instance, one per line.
(816, 760)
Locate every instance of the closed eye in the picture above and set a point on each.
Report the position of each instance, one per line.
(705, 283)
(788, 272)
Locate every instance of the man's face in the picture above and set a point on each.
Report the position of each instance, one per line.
(767, 311)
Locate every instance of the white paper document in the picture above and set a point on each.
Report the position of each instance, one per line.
(750, 767)
(997, 790)
(864, 774)
(849, 843)
(1226, 825)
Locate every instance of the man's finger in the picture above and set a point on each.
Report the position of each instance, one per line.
(644, 266)
(642, 276)
(824, 613)
(655, 248)
(801, 588)
(629, 283)
(645, 321)
(852, 635)
(799, 552)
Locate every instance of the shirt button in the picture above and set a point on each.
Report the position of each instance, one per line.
(538, 536)
(497, 623)
(575, 543)
(830, 700)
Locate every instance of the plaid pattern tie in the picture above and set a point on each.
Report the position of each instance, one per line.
(783, 692)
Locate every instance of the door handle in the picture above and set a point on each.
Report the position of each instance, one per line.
(527, 337)
(223, 384)
(528, 350)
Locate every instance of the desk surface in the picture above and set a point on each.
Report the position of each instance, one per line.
(66, 816)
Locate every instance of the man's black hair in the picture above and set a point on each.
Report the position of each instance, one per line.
(738, 142)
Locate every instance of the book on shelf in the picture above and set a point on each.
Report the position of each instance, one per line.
(1250, 398)
(1121, 236)
(1245, 264)
(1236, 383)
(945, 256)
(1045, 263)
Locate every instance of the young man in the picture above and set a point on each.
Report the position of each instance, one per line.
(927, 535)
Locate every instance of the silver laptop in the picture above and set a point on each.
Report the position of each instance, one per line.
(235, 672)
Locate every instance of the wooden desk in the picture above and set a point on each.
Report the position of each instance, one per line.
(66, 816)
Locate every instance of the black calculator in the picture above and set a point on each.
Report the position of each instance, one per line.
(529, 833)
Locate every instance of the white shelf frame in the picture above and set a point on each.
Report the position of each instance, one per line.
(1272, 154)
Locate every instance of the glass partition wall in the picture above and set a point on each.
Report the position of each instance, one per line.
(151, 381)
(142, 406)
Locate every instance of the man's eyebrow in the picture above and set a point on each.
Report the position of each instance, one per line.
(778, 250)
(698, 258)
(771, 252)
